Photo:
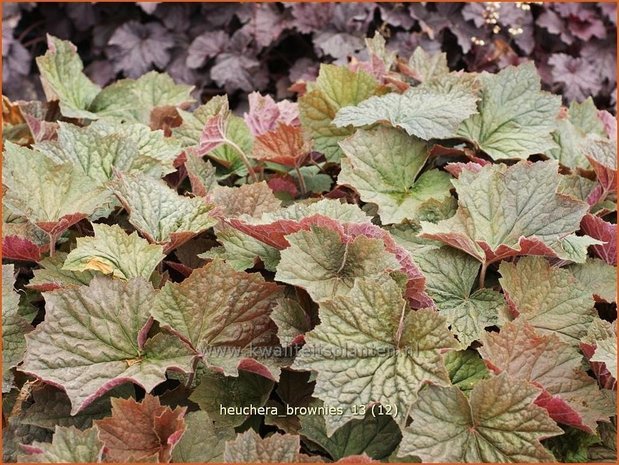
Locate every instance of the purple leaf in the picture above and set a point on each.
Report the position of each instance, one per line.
(205, 46)
(577, 76)
(136, 48)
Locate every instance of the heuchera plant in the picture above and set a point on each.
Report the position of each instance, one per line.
(407, 263)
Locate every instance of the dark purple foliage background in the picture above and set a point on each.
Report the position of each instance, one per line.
(238, 48)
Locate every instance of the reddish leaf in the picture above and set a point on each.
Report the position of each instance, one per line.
(283, 184)
(214, 131)
(284, 145)
(139, 431)
(264, 114)
(569, 394)
(20, 248)
(274, 234)
(597, 228)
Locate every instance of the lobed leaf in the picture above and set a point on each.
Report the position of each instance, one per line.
(423, 112)
(507, 211)
(497, 423)
(94, 338)
(159, 213)
(336, 87)
(515, 117)
(112, 251)
(384, 166)
(570, 395)
(401, 350)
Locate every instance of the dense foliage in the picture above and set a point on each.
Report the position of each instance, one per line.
(267, 47)
(407, 263)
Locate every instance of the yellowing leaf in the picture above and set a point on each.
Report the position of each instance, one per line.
(52, 275)
(113, 251)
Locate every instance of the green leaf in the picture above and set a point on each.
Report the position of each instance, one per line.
(226, 151)
(250, 447)
(202, 442)
(550, 299)
(424, 112)
(292, 321)
(159, 213)
(52, 275)
(571, 133)
(571, 396)
(50, 195)
(190, 131)
(370, 347)
(14, 327)
(426, 66)
(234, 318)
(133, 100)
(52, 408)
(241, 251)
(489, 227)
(69, 444)
(466, 369)
(201, 174)
(599, 277)
(100, 148)
(325, 265)
(573, 446)
(584, 115)
(94, 337)
(113, 251)
(336, 87)
(63, 79)
(217, 391)
(576, 186)
(606, 352)
(497, 423)
(383, 165)
(515, 117)
(450, 278)
(377, 436)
